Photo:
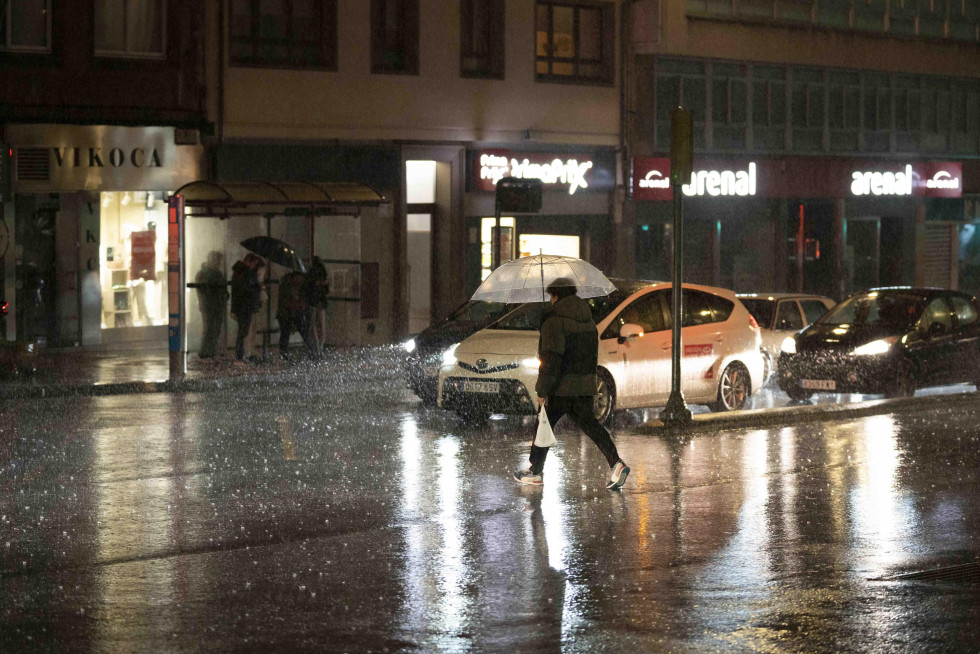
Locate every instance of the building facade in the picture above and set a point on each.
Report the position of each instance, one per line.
(429, 103)
(103, 107)
(836, 142)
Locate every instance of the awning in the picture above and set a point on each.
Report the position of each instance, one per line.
(226, 199)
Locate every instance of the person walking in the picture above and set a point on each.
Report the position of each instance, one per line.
(212, 299)
(568, 349)
(246, 300)
(316, 289)
(293, 314)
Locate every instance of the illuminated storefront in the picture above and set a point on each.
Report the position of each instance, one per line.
(819, 224)
(575, 217)
(89, 221)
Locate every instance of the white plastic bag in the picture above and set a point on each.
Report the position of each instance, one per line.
(545, 436)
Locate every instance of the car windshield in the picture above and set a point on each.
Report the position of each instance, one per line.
(875, 308)
(480, 311)
(760, 308)
(528, 317)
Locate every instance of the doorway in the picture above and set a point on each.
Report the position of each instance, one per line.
(420, 185)
(863, 253)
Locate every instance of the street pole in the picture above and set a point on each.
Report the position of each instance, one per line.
(676, 412)
(175, 287)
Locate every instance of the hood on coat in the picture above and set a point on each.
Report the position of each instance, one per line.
(572, 307)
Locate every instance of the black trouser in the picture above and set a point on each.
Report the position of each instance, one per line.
(297, 321)
(244, 322)
(213, 317)
(582, 412)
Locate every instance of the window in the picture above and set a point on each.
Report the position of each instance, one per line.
(698, 308)
(284, 33)
(966, 313)
(813, 309)
(646, 311)
(788, 316)
(130, 28)
(481, 47)
(25, 26)
(575, 41)
(395, 36)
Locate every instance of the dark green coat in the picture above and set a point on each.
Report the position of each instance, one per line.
(568, 349)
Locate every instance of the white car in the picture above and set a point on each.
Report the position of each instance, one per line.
(780, 315)
(495, 369)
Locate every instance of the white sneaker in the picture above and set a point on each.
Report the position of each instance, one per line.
(528, 477)
(618, 476)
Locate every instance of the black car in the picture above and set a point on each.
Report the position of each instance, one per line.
(425, 350)
(885, 340)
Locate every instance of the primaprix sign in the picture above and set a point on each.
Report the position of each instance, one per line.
(800, 178)
(568, 172)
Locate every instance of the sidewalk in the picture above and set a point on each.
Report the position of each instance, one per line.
(124, 368)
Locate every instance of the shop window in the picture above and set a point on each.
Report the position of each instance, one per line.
(25, 26)
(575, 41)
(481, 46)
(488, 238)
(420, 182)
(284, 33)
(395, 37)
(133, 257)
(532, 244)
(130, 28)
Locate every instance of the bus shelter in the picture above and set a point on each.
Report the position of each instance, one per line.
(242, 200)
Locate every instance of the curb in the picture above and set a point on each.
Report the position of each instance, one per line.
(124, 388)
(792, 415)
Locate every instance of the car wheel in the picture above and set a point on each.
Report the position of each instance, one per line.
(798, 394)
(904, 384)
(733, 389)
(605, 397)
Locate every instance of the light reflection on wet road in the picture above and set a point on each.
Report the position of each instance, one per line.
(289, 519)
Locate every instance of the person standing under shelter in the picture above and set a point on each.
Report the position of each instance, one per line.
(246, 299)
(568, 349)
(316, 289)
(293, 314)
(212, 299)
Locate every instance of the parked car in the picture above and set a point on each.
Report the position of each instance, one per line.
(780, 315)
(885, 340)
(494, 370)
(425, 350)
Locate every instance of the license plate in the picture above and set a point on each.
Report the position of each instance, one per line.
(819, 384)
(481, 387)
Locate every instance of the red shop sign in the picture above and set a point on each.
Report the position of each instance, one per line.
(800, 178)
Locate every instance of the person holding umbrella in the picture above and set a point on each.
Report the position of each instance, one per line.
(568, 350)
(246, 299)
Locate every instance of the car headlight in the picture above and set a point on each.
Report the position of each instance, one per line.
(533, 362)
(788, 346)
(881, 346)
(409, 345)
(449, 356)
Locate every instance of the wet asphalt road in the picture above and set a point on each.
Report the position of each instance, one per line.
(329, 512)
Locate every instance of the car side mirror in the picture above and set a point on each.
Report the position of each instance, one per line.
(629, 331)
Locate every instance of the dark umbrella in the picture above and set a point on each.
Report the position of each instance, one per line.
(275, 251)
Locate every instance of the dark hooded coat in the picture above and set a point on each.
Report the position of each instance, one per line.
(568, 349)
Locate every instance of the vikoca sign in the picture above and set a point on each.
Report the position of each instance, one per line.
(571, 172)
(800, 178)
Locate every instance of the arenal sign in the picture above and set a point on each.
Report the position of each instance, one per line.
(571, 172)
(800, 178)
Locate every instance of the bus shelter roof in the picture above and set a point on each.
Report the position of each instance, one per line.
(227, 199)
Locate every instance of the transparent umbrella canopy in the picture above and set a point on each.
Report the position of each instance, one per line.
(525, 279)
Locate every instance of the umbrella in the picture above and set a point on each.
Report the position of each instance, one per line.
(525, 279)
(275, 251)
